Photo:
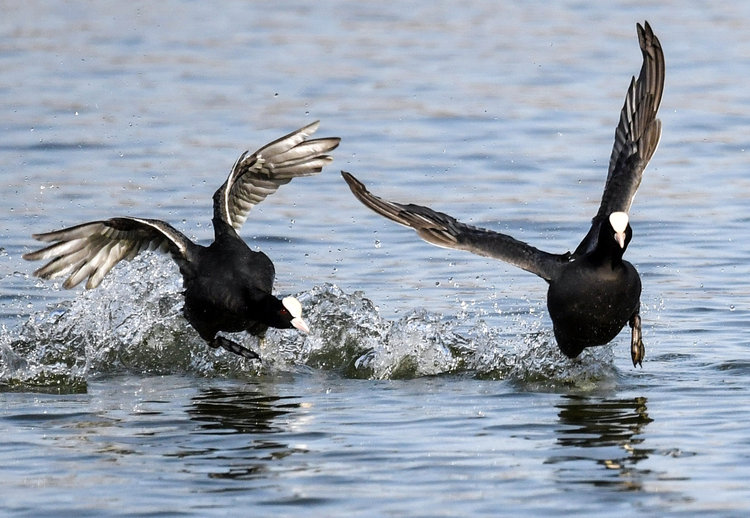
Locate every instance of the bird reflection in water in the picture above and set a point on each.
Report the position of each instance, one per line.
(247, 421)
(608, 432)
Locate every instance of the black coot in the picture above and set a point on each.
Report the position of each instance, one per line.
(227, 286)
(593, 292)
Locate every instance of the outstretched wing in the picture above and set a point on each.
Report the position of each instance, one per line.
(255, 176)
(90, 250)
(443, 230)
(636, 137)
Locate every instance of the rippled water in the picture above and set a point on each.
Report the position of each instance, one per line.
(431, 384)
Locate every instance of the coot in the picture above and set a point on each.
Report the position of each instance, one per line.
(592, 292)
(227, 285)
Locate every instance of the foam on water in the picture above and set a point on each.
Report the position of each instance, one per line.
(133, 323)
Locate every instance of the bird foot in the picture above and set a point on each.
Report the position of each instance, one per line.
(233, 347)
(637, 349)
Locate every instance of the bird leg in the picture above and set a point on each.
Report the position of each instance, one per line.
(637, 349)
(233, 347)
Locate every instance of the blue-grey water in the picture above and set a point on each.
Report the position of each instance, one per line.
(430, 384)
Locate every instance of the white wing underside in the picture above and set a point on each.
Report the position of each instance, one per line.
(258, 175)
(91, 250)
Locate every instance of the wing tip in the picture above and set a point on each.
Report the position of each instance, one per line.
(359, 190)
(331, 143)
(649, 42)
(369, 200)
(306, 130)
(31, 256)
(351, 181)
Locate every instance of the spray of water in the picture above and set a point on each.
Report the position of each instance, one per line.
(133, 323)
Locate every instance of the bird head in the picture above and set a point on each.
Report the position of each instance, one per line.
(619, 223)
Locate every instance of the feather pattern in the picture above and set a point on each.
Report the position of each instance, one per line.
(443, 230)
(636, 136)
(255, 176)
(91, 250)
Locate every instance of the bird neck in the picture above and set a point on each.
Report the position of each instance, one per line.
(223, 229)
(607, 255)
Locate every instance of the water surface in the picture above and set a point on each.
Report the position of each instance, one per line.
(431, 384)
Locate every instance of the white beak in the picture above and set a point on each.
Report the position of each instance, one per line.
(620, 238)
(300, 324)
(295, 309)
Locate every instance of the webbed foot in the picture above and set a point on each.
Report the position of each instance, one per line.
(637, 349)
(233, 347)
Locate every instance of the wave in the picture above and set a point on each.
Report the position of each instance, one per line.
(140, 329)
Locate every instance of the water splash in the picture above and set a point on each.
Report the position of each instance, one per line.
(352, 337)
(133, 323)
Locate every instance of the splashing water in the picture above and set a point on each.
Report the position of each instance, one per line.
(133, 323)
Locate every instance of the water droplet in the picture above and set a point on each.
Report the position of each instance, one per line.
(377, 243)
(731, 307)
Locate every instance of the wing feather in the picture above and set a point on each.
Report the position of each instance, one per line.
(636, 136)
(91, 250)
(445, 231)
(258, 175)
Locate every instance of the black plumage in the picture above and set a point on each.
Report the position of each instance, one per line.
(592, 292)
(228, 287)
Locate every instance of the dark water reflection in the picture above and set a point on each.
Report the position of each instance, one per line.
(247, 411)
(605, 432)
(242, 429)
